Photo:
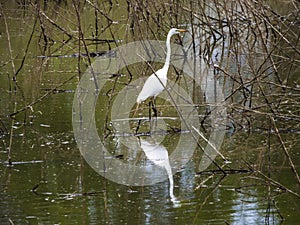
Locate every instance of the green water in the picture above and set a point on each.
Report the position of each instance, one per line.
(49, 181)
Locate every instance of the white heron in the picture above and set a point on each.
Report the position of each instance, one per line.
(157, 81)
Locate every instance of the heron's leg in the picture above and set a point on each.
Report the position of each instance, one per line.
(139, 123)
(138, 127)
(136, 109)
(150, 120)
(150, 105)
(154, 107)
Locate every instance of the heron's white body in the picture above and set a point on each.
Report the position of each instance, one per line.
(157, 81)
(154, 85)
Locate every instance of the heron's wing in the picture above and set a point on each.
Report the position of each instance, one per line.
(153, 85)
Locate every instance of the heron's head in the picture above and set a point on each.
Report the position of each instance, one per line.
(176, 31)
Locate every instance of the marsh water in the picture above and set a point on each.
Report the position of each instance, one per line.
(46, 178)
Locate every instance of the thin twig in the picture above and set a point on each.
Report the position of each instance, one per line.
(285, 150)
(27, 48)
(29, 106)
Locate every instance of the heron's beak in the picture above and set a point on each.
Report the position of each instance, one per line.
(182, 30)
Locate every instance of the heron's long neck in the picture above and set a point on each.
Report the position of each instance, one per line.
(168, 57)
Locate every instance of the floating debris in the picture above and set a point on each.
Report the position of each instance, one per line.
(45, 125)
(22, 162)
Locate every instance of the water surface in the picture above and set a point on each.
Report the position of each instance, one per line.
(49, 182)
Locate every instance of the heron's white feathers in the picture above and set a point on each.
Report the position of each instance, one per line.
(154, 85)
(157, 82)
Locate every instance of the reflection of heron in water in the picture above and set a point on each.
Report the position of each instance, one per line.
(157, 82)
(158, 154)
